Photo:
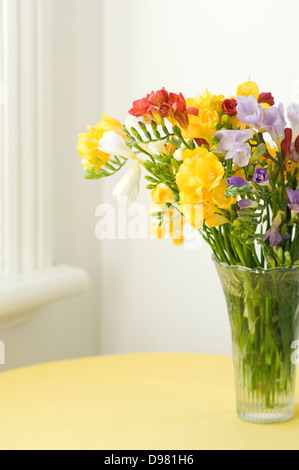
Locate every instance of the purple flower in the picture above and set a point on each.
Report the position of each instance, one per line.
(249, 111)
(237, 181)
(246, 203)
(274, 232)
(240, 154)
(293, 116)
(234, 142)
(294, 199)
(274, 121)
(261, 176)
(232, 138)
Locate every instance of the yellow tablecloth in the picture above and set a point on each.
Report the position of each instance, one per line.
(142, 401)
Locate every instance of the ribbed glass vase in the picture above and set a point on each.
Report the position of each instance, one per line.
(263, 308)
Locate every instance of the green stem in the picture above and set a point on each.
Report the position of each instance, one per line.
(219, 246)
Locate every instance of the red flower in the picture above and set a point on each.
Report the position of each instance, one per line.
(286, 145)
(230, 107)
(266, 98)
(165, 105)
(297, 144)
(158, 98)
(140, 108)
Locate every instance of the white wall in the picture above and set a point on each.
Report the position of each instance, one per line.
(145, 295)
(69, 328)
(156, 296)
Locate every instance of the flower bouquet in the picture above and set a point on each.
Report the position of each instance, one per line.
(229, 167)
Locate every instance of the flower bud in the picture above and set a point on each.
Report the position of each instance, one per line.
(226, 120)
(136, 134)
(236, 223)
(159, 119)
(218, 126)
(271, 261)
(288, 259)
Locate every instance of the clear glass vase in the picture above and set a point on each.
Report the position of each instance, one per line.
(263, 308)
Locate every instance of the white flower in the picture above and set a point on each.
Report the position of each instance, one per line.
(128, 187)
(157, 148)
(293, 115)
(178, 155)
(132, 121)
(114, 144)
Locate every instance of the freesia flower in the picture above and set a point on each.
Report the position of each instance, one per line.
(164, 105)
(286, 145)
(218, 197)
(261, 176)
(249, 88)
(201, 171)
(294, 199)
(173, 219)
(233, 141)
(293, 116)
(266, 98)
(231, 138)
(141, 108)
(114, 144)
(240, 154)
(88, 146)
(274, 232)
(210, 111)
(230, 107)
(290, 149)
(237, 181)
(128, 186)
(162, 194)
(274, 121)
(249, 111)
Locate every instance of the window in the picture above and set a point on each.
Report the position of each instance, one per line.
(28, 277)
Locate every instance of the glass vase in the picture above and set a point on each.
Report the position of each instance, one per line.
(263, 309)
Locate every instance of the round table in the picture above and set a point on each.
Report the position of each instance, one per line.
(132, 402)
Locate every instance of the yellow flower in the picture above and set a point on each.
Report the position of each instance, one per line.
(86, 164)
(88, 146)
(200, 172)
(162, 194)
(157, 229)
(204, 127)
(208, 100)
(218, 198)
(198, 179)
(212, 216)
(194, 214)
(210, 113)
(248, 89)
(197, 214)
(217, 201)
(173, 219)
